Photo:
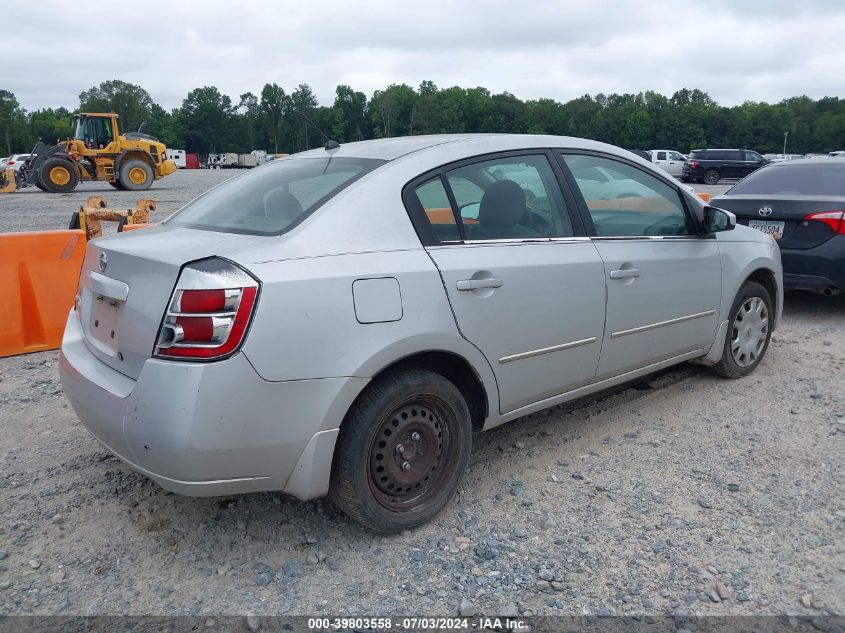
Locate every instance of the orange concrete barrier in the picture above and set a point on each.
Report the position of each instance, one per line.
(703, 195)
(39, 272)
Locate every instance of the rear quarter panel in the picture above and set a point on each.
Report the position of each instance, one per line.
(306, 325)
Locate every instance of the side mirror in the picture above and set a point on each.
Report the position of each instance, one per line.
(717, 220)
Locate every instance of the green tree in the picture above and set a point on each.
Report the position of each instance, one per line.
(350, 115)
(272, 108)
(391, 110)
(208, 116)
(50, 126)
(14, 130)
(131, 103)
(302, 101)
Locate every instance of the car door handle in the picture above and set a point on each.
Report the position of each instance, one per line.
(625, 273)
(475, 284)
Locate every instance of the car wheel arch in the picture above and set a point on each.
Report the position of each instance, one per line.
(456, 369)
(766, 278)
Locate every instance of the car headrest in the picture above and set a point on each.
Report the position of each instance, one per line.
(502, 205)
(283, 204)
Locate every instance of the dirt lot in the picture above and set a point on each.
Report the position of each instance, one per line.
(683, 493)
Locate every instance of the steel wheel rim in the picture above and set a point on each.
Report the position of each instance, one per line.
(59, 176)
(411, 453)
(750, 332)
(137, 176)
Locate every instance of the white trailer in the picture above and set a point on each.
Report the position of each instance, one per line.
(178, 156)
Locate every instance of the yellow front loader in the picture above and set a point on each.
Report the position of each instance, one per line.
(97, 151)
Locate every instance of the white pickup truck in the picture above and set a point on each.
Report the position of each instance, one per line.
(668, 160)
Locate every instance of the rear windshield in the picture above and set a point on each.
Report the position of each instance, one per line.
(273, 198)
(805, 180)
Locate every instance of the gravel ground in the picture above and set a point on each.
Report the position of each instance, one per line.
(684, 493)
(681, 494)
(34, 210)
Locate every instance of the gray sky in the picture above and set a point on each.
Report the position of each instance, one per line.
(733, 49)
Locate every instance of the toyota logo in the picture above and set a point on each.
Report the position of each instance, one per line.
(764, 211)
(104, 261)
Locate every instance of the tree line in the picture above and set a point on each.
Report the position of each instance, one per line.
(211, 122)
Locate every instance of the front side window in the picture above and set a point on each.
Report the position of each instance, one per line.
(273, 198)
(753, 157)
(675, 156)
(625, 201)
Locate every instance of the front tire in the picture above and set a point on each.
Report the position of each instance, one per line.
(749, 332)
(712, 177)
(58, 175)
(401, 451)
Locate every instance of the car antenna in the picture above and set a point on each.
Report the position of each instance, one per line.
(330, 144)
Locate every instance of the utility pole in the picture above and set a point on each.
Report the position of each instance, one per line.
(785, 134)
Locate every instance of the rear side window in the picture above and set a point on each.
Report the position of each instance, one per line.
(273, 198)
(820, 180)
(508, 198)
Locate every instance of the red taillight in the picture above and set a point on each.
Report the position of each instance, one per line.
(834, 219)
(203, 322)
(11, 162)
(693, 164)
(203, 300)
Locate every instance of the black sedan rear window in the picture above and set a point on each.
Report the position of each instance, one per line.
(273, 198)
(805, 180)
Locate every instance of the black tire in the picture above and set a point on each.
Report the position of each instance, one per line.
(738, 364)
(132, 167)
(398, 418)
(40, 186)
(58, 175)
(116, 184)
(712, 177)
(684, 179)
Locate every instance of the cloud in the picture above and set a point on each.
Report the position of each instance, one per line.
(735, 51)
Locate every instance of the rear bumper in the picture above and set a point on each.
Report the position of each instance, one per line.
(815, 268)
(205, 429)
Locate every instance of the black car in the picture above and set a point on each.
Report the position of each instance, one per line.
(801, 204)
(711, 165)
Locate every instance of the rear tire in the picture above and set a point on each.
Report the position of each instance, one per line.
(749, 332)
(135, 175)
(712, 177)
(58, 175)
(116, 184)
(401, 451)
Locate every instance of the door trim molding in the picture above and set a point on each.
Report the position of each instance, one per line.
(546, 350)
(653, 326)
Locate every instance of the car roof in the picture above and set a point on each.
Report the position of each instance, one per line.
(389, 149)
(830, 160)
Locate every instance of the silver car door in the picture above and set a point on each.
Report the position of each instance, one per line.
(523, 288)
(663, 280)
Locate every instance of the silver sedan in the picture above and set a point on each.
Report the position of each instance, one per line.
(341, 321)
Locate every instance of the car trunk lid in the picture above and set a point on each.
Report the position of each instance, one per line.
(127, 281)
(768, 212)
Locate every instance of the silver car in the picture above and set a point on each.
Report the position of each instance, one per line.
(341, 321)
